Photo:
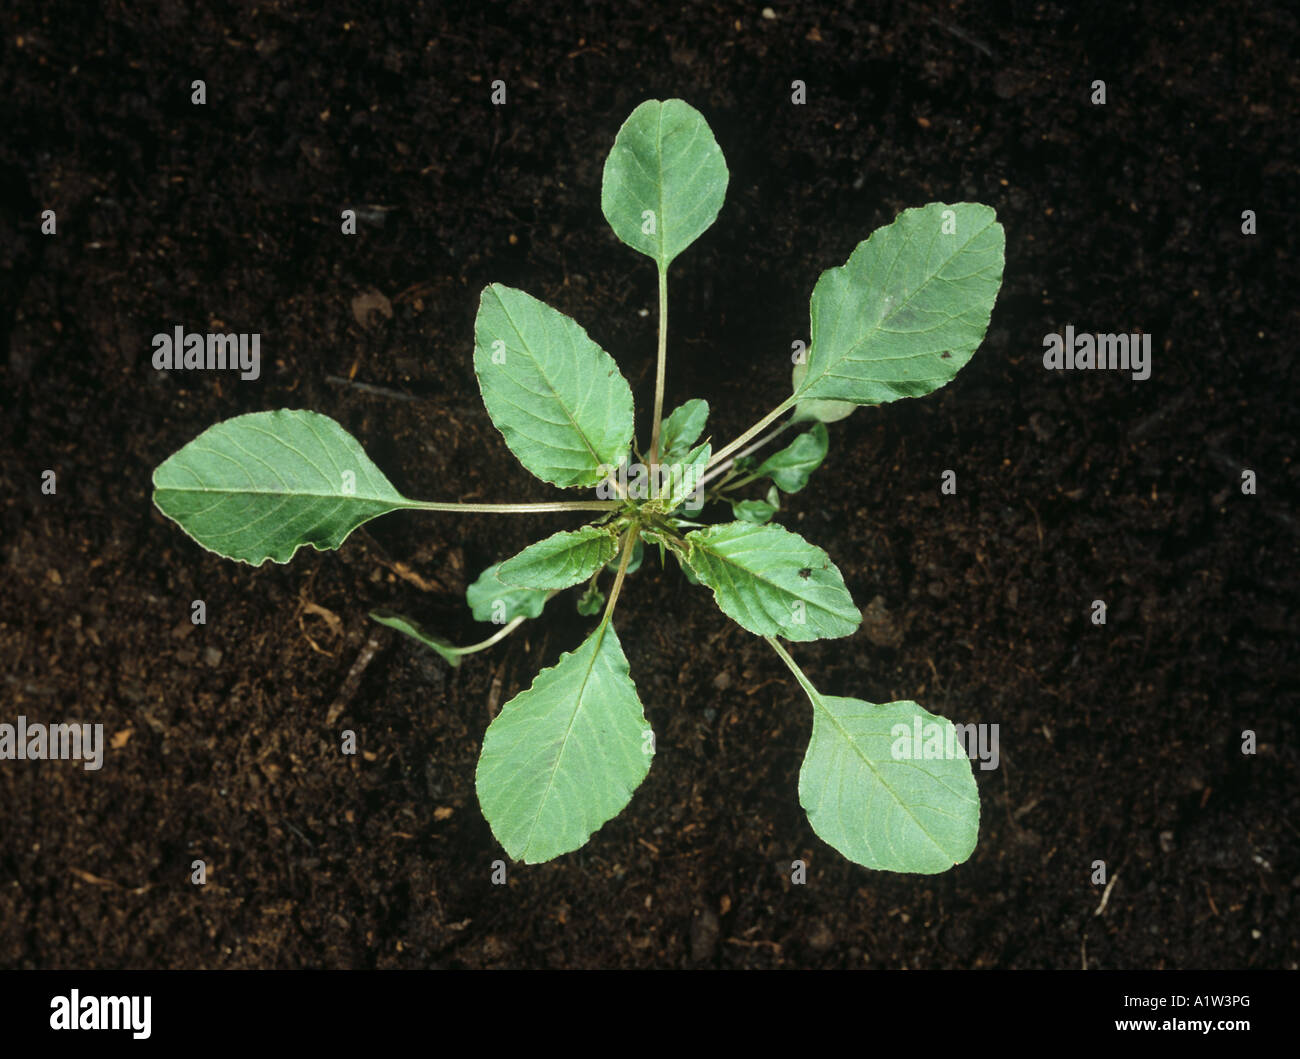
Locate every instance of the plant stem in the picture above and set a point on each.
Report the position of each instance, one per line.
(721, 487)
(502, 632)
(757, 428)
(744, 479)
(661, 369)
(515, 509)
(622, 573)
(496, 637)
(722, 468)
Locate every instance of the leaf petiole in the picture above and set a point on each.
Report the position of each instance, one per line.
(661, 368)
(753, 431)
(784, 655)
(629, 544)
(722, 468)
(514, 509)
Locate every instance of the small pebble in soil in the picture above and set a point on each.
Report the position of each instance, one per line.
(705, 929)
(879, 625)
(820, 938)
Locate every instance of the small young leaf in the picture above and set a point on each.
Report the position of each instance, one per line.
(909, 307)
(591, 601)
(684, 476)
(819, 411)
(758, 512)
(416, 631)
(683, 428)
(492, 600)
(869, 791)
(561, 560)
(564, 756)
(773, 582)
(262, 485)
(665, 179)
(790, 467)
(558, 399)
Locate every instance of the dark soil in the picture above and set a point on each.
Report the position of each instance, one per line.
(1119, 743)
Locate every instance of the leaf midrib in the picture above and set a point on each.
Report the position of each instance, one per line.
(395, 500)
(568, 732)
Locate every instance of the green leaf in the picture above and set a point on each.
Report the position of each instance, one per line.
(262, 485)
(590, 602)
(665, 179)
(683, 427)
(416, 631)
(872, 791)
(686, 567)
(790, 467)
(492, 600)
(564, 756)
(684, 475)
(757, 511)
(908, 309)
(820, 411)
(558, 399)
(634, 563)
(773, 582)
(563, 559)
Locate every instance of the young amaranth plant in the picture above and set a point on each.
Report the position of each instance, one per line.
(882, 783)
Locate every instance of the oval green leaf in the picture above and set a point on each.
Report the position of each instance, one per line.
(565, 756)
(683, 427)
(789, 469)
(756, 511)
(262, 485)
(490, 599)
(772, 582)
(558, 399)
(665, 179)
(889, 786)
(561, 560)
(908, 309)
